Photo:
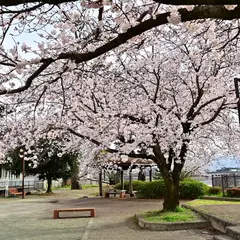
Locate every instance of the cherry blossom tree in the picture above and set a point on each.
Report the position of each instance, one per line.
(140, 79)
(168, 98)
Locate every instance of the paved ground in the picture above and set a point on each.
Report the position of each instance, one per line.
(31, 219)
(229, 212)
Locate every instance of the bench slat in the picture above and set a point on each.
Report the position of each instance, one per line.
(73, 209)
(57, 211)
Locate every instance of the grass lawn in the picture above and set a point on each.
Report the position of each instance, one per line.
(199, 202)
(180, 215)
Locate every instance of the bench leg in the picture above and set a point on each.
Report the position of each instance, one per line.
(55, 214)
(93, 213)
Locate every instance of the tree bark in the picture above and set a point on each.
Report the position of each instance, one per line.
(49, 187)
(171, 177)
(171, 198)
(75, 183)
(75, 177)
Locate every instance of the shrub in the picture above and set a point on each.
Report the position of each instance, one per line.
(153, 189)
(214, 190)
(192, 189)
(233, 192)
(189, 189)
(136, 185)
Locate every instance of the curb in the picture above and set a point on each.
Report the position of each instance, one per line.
(217, 223)
(234, 232)
(170, 226)
(222, 198)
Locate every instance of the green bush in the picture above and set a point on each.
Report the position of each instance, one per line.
(192, 189)
(153, 189)
(136, 185)
(214, 190)
(189, 189)
(233, 192)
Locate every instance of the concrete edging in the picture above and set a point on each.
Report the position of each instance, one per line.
(234, 232)
(221, 198)
(217, 223)
(170, 226)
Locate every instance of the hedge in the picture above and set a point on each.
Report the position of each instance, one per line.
(214, 190)
(233, 192)
(136, 185)
(192, 189)
(189, 189)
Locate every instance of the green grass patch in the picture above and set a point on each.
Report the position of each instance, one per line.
(199, 202)
(66, 186)
(180, 215)
(86, 186)
(215, 195)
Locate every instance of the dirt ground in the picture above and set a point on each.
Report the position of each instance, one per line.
(32, 219)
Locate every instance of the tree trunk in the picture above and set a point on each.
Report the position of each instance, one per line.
(171, 177)
(75, 183)
(171, 198)
(64, 182)
(49, 183)
(75, 176)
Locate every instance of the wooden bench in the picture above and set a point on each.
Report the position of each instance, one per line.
(57, 211)
(112, 192)
(14, 192)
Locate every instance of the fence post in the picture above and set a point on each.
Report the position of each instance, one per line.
(212, 180)
(227, 181)
(235, 180)
(223, 185)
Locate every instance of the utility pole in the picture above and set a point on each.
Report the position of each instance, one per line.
(236, 84)
(23, 170)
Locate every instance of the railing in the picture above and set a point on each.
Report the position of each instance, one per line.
(29, 185)
(226, 181)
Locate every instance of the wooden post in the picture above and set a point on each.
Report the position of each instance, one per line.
(223, 186)
(130, 183)
(150, 174)
(122, 180)
(23, 172)
(100, 183)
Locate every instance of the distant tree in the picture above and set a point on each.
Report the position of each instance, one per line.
(113, 176)
(141, 175)
(45, 160)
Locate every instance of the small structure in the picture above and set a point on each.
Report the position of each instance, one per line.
(129, 164)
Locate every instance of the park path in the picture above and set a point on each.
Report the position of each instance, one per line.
(31, 219)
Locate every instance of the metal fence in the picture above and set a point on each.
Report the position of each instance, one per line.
(29, 185)
(226, 181)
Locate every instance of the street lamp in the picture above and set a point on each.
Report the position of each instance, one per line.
(23, 170)
(236, 84)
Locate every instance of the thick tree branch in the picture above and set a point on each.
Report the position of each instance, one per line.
(29, 80)
(9, 3)
(204, 105)
(84, 137)
(167, 2)
(198, 2)
(201, 12)
(217, 112)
